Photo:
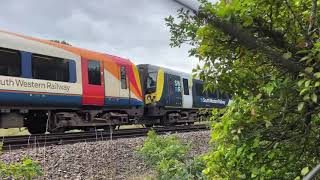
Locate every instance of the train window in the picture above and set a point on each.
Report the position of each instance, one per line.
(50, 68)
(123, 75)
(185, 87)
(151, 82)
(10, 62)
(199, 89)
(94, 72)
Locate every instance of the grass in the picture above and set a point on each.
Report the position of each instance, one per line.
(13, 132)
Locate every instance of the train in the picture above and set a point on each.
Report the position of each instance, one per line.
(47, 86)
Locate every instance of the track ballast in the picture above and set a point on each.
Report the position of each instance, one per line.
(40, 140)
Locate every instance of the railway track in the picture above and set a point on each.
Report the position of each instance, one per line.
(32, 141)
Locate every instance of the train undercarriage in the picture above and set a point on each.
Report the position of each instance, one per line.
(59, 121)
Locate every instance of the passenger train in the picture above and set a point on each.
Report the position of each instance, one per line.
(48, 86)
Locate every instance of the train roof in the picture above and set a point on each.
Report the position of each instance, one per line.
(167, 70)
(50, 48)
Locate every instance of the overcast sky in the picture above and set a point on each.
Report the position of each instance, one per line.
(133, 29)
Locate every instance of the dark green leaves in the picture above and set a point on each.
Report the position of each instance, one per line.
(270, 130)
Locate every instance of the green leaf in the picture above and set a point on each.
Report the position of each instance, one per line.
(251, 155)
(304, 171)
(317, 75)
(247, 21)
(269, 88)
(304, 58)
(258, 96)
(256, 142)
(317, 84)
(268, 124)
(242, 176)
(287, 55)
(303, 91)
(300, 106)
(301, 82)
(307, 83)
(309, 69)
(314, 98)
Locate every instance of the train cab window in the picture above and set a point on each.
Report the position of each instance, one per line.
(123, 75)
(50, 68)
(151, 82)
(199, 89)
(10, 63)
(94, 75)
(185, 87)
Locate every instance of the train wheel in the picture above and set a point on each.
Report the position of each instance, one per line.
(36, 129)
(36, 123)
(148, 125)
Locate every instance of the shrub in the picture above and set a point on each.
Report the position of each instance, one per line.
(168, 156)
(27, 169)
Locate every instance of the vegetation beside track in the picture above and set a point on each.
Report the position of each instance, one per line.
(26, 169)
(169, 156)
(266, 55)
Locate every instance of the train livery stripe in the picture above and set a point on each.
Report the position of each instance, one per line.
(160, 84)
(36, 93)
(111, 101)
(137, 77)
(134, 87)
(24, 99)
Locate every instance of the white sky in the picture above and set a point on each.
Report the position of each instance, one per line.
(134, 29)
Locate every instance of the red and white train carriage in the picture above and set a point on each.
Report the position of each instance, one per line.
(44, 84)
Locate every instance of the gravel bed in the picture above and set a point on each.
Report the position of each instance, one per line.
(116, 159)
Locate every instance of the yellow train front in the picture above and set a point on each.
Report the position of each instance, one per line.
(173, 97)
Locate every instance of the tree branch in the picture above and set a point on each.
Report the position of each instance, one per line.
(294, 15)
(249, 41)
(313, 20)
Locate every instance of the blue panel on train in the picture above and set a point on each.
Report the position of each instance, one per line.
(207, 102)
(122, 101)
(27, 99)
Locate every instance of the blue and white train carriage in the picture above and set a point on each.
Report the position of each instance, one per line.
(173, 97)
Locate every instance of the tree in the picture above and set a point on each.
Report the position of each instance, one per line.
(61, 42)
(265, 54)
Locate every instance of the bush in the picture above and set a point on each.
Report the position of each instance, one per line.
(168, 156)
(27, 169)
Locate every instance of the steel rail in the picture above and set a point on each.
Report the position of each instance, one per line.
(40, 140)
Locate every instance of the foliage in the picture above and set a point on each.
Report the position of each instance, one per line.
(27, 169)
(169, 157)
(265, 54)
(61, 42)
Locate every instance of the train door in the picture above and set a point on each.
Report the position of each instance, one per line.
(93, 82)
(175, 95)
(187, 93)
(124, 85)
